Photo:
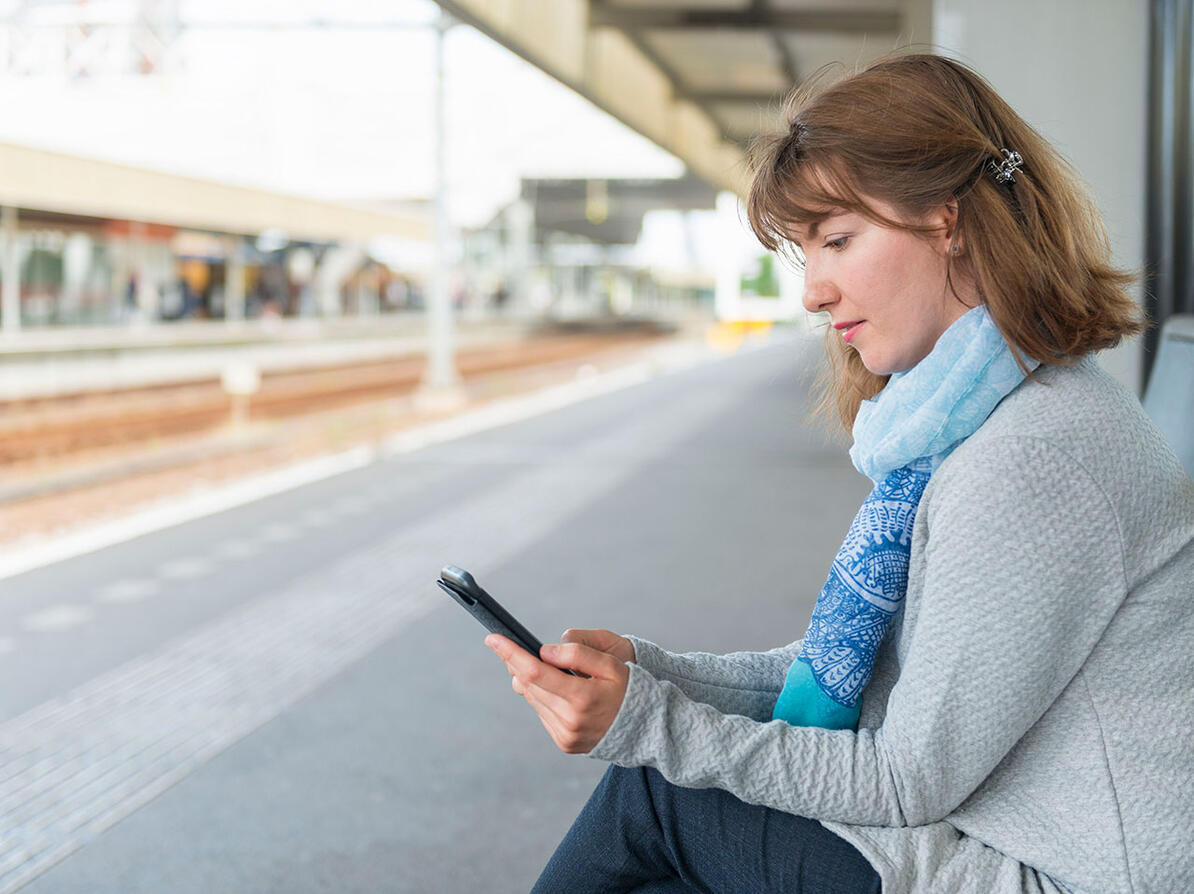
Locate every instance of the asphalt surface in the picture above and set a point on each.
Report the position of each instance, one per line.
(278, 698)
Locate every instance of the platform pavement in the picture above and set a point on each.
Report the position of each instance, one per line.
(694, 509)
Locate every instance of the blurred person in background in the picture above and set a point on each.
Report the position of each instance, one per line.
(995, 692)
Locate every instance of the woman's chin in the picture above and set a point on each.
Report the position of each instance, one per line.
(885, 366)
(875, 365)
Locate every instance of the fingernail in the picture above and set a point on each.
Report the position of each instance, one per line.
(549, 651)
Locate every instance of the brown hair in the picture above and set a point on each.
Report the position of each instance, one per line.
(916, 131)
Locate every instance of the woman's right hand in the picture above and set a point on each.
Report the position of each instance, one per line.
(603, 641)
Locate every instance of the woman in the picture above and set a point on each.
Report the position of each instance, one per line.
(996, 688)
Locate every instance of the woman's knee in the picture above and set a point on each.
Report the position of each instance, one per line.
(645, 791)
(629, 792)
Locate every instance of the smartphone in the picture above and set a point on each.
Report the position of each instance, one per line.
(465, 590)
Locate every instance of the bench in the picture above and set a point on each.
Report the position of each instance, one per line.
(1169, 400)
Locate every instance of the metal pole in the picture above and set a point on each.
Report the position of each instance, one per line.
(441, 380)
(10, 273)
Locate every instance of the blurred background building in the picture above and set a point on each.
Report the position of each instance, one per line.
(168, 160)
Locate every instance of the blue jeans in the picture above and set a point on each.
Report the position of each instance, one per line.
(639, 833)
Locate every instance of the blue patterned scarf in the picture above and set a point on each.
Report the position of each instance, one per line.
(900, 438)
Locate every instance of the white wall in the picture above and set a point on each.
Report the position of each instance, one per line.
(1077, 71)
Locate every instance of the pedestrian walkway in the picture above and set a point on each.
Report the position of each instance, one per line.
(358, 737)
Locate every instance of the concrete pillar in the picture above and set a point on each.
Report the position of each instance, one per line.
(76, 265)
(441, 381)
(727, 295)
(10, 273)
(520, 224)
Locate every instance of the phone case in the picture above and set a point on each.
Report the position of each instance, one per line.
(489, 617)
(469, 595)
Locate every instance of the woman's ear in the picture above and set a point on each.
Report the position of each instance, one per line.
(949, 213)
(946, 219)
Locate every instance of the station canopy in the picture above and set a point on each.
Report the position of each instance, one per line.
(331, 101)
(698, 77)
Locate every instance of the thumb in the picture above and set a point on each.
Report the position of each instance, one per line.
(601, 640)
(604, 641)
(580, 657)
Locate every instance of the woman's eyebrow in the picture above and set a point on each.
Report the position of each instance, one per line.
(816, 225)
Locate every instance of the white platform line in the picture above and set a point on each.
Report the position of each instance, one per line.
(58, 617)
(237, 549)
(280, 532)
(186, 568)
(128, 590)
(22, 558)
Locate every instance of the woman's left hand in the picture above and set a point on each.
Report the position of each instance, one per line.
(575, 711)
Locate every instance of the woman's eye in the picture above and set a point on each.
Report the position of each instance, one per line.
(837, 244)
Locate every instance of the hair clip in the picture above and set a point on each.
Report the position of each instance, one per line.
(1005, 170)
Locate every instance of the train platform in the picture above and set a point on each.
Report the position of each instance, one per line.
(73, 462)
(276, 697)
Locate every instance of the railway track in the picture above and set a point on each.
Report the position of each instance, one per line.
(46, 428)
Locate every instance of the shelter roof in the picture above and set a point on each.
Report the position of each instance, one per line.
(699, 77)
(56, 182)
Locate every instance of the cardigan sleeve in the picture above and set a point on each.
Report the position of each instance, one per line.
(746, 683)
(1022, 572)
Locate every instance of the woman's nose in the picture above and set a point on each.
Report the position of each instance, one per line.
(819, 295)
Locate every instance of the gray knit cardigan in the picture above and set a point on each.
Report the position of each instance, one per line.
(1030, 723)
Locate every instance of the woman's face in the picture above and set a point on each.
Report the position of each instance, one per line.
(883, 288)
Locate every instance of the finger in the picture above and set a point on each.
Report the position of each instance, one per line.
(530, 669)
(586, 659)
(564, 707)
(548, 717)
(518, 660)
(503, 646)
(499, 645)
(571, 731)
(492, 642)
(602, 640)
(569, 740)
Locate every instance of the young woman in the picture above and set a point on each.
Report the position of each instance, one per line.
(996, 689)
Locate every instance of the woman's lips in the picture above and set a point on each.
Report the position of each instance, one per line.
(852, 330)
